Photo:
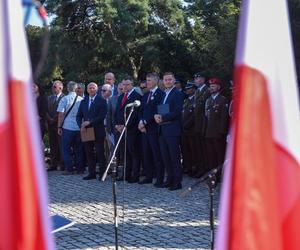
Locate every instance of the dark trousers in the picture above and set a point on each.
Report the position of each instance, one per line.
(189, 152)
(216, 151)
(56, 157)
(120, 151)
(152, 161)
(71, 143)
(202, 164)
(94, 152)
(169, 148)
(133, 155)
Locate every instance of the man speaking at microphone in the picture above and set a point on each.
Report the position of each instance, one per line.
(125, 102)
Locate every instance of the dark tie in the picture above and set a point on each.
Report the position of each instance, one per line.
(92, 100)
(124, 100)
(149, 97)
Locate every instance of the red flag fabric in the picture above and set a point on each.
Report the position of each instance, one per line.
(24, 220)
(260, 200)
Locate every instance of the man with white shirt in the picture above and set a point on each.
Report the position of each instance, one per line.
(52, 116)
(152, 161)
(169, 119)
(69, 130)
(109, 78)
(91, 114)
(216, 111)
(133, 155)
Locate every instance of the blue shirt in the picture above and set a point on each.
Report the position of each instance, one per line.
(65, 103)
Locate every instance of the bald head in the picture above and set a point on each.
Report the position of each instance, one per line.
(92, 89)
(109, 78)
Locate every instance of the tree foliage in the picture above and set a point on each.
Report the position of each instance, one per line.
(134, 37)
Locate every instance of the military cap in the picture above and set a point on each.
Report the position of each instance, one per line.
(214, 80)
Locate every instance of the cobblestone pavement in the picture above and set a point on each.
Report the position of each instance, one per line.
(153, 218)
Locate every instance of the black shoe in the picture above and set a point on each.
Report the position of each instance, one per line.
(51, 169)
(145, 181)
(133, 180)
(158, 184)
(89, 177)
(67, 173)
(175, 187)
(166, 185)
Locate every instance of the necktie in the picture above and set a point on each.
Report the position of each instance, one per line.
(124, 100)
(149, 96)
(91, 102)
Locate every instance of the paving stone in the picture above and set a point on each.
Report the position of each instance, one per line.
(149, 218)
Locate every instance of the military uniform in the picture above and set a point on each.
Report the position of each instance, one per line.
(216, 111)
(188, 136)
(201, 96)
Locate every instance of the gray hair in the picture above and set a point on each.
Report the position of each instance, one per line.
(81, 85)
(72, 86)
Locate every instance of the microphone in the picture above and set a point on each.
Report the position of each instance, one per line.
(136, 103)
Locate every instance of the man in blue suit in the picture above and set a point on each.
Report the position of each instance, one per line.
(152, 161)
(170, 129)
(133, 156)
(91, 113)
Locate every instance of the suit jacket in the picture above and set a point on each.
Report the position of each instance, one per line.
(119, 115)
(96, 114)
(111, 110)
(216, 111)
(52, 108)
(148, 110)
(188, 117)
(42, 108)
(171, 125)
(200, 118)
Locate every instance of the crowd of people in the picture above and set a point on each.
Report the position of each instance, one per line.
(175, 130)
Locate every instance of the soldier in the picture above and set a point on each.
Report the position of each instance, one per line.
(201, 96)
(188, 125)
(216, 111)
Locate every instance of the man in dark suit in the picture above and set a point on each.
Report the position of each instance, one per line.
(170, 129)
(52, 119)
(201, 96)
(133, 156)
(216, 111)
(188, 124)
(152, 161)
(91, 113)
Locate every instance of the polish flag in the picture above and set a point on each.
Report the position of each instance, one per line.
(24, 220)
(260, 200)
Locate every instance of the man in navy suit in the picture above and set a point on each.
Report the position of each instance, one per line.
(91, 113)
(152, 161)
(169, 119)
(133, 156)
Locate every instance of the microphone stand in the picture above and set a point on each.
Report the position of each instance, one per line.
(112, 163)
(211, 180)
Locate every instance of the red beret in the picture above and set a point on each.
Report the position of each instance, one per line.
(214, 81)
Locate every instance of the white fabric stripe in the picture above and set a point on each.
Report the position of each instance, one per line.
(3, 75)
(21, 70)
(265, 45)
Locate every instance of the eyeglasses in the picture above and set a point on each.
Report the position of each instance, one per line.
(104, 90)
(54, 86)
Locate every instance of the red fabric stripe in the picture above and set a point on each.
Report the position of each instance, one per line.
(254, 218)
(289, 191)
(22, 228)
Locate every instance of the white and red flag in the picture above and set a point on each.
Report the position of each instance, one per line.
(24, 220)
(260, 200)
